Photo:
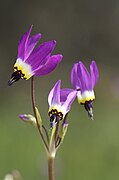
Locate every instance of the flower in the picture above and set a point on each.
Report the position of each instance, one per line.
(33, 61)
(84, 83)
(60, 101)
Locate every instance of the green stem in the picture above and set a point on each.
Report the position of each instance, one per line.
(56, 132)
(33, 105)
(51, 168)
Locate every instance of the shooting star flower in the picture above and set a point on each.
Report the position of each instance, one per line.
(84, 83)
(60, 101)
(34, 61)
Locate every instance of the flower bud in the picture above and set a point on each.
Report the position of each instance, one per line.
(28, 118)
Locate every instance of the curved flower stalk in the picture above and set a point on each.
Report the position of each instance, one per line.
(34, 61)
(84, 83)
(60, 101)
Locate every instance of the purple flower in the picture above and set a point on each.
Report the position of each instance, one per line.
(60, 101)
(84, 83)
(33, 61)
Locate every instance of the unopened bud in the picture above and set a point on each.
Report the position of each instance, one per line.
(28, 118)
(63, 130)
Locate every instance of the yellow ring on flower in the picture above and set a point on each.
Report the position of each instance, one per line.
(59, 113)
(85, 96)
(25, 68)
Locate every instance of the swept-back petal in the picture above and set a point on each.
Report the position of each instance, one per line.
(22, 44)
(39, 55)
(74, 77)
(64, 93)
(49, 66)
(70, 98)
(31, 45)
(84, 77)
(54, 95)
(94, 73)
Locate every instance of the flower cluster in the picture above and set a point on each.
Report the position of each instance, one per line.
(38, 61)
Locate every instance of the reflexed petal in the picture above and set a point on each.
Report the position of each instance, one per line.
(64, 93)
(31, 45)
(39, 55)
(74, 77)
(22, 44)
(50, 65)
(94, 73)
(54, 95)
(33, 61)
(84, 77)
(70, 98)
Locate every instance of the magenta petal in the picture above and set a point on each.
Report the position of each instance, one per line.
(64, 93)
(31, 45)
(74, 77)
(22, 44)
(70, 98)
(23, 116)
(39, 55)
(84, 77)
(94, 73)
(50, 65)
(54, 95)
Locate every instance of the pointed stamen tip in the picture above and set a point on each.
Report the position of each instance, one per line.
(10, 82)
(92, 118)
(90, 114)
(15, 77)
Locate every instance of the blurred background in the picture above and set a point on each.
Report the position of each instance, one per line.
(84, 30)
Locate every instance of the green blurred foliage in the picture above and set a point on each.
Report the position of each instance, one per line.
(84, 30)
